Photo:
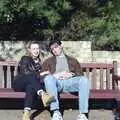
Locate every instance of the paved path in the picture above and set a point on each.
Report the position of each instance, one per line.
(68, 115)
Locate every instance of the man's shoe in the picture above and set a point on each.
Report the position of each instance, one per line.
(81, 117)
(117, 114)
(26, 115)
(57, 116)
(46, 98)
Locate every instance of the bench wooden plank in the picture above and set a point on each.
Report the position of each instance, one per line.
(94, 94)
(101, 78)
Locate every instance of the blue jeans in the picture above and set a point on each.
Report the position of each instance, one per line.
(76, 84)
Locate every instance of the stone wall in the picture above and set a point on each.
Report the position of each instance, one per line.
(79, 49)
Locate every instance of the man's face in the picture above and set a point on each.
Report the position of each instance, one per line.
(34, 50)
(56, 49)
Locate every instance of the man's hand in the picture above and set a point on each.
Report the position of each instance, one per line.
(44, 73)
(63, 75)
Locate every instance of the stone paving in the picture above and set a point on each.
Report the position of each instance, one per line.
(68, 115)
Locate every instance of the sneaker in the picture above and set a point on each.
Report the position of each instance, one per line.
(81, 117)
(46, 98)
(26, 115)
(57, 116)
(117, 114)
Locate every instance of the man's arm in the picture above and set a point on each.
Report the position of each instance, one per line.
(78, 69)
(45, 66)
(74, 66)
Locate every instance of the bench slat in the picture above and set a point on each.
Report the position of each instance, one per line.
(101, 79)
(108, 80)
(94, 94)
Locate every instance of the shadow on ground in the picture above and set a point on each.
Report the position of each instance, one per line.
(68, 105)
(65, 104)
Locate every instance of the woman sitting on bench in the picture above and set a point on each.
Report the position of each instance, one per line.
(29, 79)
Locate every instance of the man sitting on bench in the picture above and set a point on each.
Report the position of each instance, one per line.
(66, 76)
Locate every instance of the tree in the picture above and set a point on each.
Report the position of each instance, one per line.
(27, 18)
(96, 21)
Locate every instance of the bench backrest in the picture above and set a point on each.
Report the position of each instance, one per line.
(100, 74)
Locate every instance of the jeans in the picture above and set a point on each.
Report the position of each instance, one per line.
(78, 84)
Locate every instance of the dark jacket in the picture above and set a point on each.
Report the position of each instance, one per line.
(27, 66)
(74, 66)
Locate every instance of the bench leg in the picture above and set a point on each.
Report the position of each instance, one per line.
(117, 110)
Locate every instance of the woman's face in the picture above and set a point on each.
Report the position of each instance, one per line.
(34, 50)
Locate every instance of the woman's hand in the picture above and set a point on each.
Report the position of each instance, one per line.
(44, 73)
(63, 75)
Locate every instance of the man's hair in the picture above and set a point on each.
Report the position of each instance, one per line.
(54, 41)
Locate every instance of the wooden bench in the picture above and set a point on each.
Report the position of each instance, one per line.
(103, 77)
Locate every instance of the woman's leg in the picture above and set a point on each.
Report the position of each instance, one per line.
(21, 82)
(34, 81)
(28, 84)
(30, 97)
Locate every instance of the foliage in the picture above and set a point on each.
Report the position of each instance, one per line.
(92, 20)
(27, 18)
(106, 32)
(98, 22)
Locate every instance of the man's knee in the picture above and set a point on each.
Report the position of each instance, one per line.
(49, 78)
(84, 80)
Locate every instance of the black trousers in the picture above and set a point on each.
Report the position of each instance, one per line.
(29, 84)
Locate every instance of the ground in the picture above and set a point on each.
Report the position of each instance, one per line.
(70, 114)
(98, 110)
